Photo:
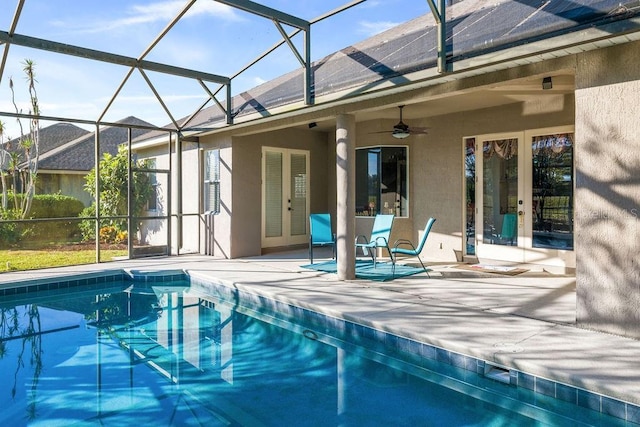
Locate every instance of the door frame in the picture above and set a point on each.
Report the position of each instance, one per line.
(286, 239)
(546, 256)
(488, 250)
(524, 252)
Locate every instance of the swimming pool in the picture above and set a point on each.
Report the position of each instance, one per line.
(162, 349)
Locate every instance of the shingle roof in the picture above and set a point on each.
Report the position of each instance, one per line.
(475, 27)
(79, 154)
(51, 137)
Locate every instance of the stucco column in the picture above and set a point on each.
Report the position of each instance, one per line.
(345, 195)
(607, 208)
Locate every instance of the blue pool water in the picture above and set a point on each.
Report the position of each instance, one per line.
(181, 353)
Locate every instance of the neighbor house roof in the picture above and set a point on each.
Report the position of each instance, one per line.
(79, 154)
(50, 138)
(475, 29)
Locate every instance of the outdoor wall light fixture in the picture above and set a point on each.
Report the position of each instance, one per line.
(547, 83)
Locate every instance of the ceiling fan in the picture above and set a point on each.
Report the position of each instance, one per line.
(401, 130)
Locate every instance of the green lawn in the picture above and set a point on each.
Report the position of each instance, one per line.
(18, 260)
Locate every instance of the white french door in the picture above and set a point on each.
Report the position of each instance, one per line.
(500, 198)
(524, 196)
(285, 201)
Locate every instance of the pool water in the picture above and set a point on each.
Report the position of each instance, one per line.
(175, 354)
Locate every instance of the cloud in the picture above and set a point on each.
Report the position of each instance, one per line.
(163, 12)
(257, 81)
(369, 28)
(168, 9)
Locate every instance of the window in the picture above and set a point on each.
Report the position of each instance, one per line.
(152, 202)
(381, 181)
(552, 191)
(212, 181)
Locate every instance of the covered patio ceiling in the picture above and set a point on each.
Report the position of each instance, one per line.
(420, 110)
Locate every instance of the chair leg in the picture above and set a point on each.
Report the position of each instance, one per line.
(311, 253)
(424, 268)
(393, 263)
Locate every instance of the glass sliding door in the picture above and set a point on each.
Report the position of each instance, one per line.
(285, 201)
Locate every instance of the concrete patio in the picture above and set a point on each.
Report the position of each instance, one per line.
(525, 321)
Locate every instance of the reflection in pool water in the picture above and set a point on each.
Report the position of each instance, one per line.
(172, 353)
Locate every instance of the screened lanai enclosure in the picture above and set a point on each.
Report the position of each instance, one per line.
(140, 128)
(79, 84)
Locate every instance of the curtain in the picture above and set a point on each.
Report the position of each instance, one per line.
(551, 144)
(504, 148)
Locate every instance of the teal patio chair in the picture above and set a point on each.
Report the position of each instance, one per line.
(413, 251)
(320, 233)
(508, 233)
(379, 237)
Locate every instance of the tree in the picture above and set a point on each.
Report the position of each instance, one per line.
(4, 162)
(114, 187)
(21, 159)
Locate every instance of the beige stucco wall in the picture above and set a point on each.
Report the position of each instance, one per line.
(238, 227)
(436, 165)
(435, 172)
(606, 112)
(220, 223)
(608, 189)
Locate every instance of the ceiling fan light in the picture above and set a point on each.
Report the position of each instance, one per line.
(400, 134)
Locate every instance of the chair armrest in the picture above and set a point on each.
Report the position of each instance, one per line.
(364, 238)
(405, 242)
(384, 241)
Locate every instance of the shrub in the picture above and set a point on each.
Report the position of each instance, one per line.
(10, 232)
(88, 226)
(43, 206)
(111, 234)
(55, 206)
(113, 194)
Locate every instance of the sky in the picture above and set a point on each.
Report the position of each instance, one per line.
(211, 37)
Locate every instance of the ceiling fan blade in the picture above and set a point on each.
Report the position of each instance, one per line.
(418, 130)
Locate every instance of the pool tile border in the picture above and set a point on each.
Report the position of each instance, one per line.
(415, 351)
(95, 280)
(64, 282)
(425, 354)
